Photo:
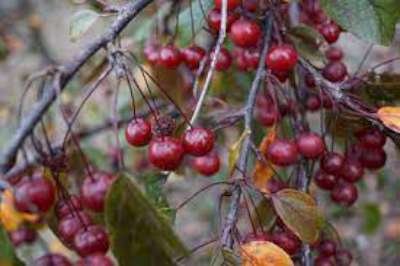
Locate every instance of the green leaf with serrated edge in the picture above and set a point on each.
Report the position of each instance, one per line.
(299, 212)
(370, 20)
(7, 253)
(138, 232)
(307, 42)
(185, 20)
(372, 217)
(81, 22)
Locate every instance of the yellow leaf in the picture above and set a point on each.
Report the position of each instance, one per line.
(390, 117)
(235, 149)
(9, 216)
(264, 253)
(263, 173)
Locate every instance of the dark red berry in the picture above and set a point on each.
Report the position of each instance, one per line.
(250, 5)
(224, 60)
(52, 259)
(166, 153)
(327, 101)
(192, 56)
(334, 54)
(282, 152)
(245, 33)
(214, 19)
(240, 60)
(335, 71)
(34, 195)
(330, 31)
(323, 261)
(231, 4)
(332, 163)
(371, 138)
(344, 193)
(198, 141)
(282, 76)
(310, 80)
(95, 260)
(94, 189)
(327, 248)
(287, 241)
(252, 58)
(352, 170)
(343, 257)
(267, 116)
(207, 165)
(313, 103)
(138, 132)
(22, 235)
(373, 158)
(281, 58)
(152, 54)
(354, 152)
(91, 240)
(324, 180)
(310, 145)
(275, 185)
(66, 207)
(169, 56)
(71, 225)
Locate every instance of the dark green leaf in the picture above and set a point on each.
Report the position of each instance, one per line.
(371, 20)
(299, 212)
(264, 213)
(307, 42)
(371, 217)
(139, 233)
(7, 253)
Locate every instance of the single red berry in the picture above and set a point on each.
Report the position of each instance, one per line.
(138, 132)
(207, 165)
(281, 58)
(371, 138)
(310, 145)
(166, 153)
(245, 33)
(68, 227)
(152, 54)
(330, 31)
(52, 259)
(198, 141)
(240, 60)
(267, 116)
(334, 54)
(23, 235)
(275, 185)
(352, 170)
(343, 257)
(287, 241)
(66, 207)
(282, 76)
(170, 56)
(252, 58)
(34, 195)
(344, 193)
(332, 163)
(192, 56)
(373, 158)
(91, 240)
(94, 189)
(324, 180)
(324, 261)
(313, 103)
(327, 248)
(95, 260)
(214, 18)
(282, 152)
(231, 4)
(335, 71)
(224, 60)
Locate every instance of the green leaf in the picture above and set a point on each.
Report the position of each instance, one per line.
(329, 232)
(307, 42)
(265, 212)
(371, 218)
(234, 150)
(371, 20)
(7, 253)
(299, 212)
(138, 232)
(185, 20)
(81, 22)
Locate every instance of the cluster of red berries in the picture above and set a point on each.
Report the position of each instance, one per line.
(330, 255)
(339, 173)
(167, 152)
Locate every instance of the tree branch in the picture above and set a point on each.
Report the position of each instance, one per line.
(67, 71)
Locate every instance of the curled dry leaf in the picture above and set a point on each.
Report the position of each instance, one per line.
(390, 117)
(262, 172)
(264, 253)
